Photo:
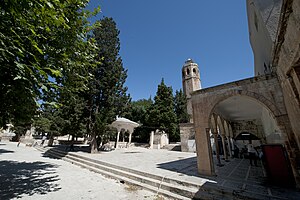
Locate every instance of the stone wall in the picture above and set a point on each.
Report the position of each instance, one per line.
(263, 17)
(187, 137)
(252, 126)
(265, 90)
(287, 61)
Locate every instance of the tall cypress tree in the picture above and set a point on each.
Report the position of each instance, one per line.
(181, 107)
(107, 96)
(161, 114)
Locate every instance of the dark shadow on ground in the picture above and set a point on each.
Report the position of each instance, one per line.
(60, 151)
(186, 166)
(76, 148)
(132, 152)
(5, 151)
(20, 178)
(176, 148)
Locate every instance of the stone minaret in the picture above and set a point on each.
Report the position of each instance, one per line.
(190, 83)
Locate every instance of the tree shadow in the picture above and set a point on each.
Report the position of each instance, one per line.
(186, 166)
(60, 151)
(75, 148)
(5, 151)
(24, 178)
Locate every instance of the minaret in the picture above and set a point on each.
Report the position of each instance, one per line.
(190, 83)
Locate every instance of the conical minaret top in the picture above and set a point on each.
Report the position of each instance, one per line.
(190, 83)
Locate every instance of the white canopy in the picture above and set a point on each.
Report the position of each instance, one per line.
(124, 123)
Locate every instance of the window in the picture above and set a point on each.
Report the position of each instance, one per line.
(194, 70)
(188, 71)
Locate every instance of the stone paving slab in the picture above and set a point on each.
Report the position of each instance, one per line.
(26, 174)
(236, 174)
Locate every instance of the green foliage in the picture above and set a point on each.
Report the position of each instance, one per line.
(181, 107)
(106, 96)
(72, 114)
(42, 124)
(48, 121)
(161, 114)
(40, 40)
(137, 110)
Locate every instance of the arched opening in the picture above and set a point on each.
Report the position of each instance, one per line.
(250, 115)
(239, 122)
(246, 136)
(188, 71)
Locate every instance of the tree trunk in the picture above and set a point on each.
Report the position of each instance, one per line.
(51, 139)
(94, 148)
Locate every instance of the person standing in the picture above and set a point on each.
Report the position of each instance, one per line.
(43, 140)
(252, 153)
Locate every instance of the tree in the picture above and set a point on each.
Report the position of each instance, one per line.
(72, 114)
(39, 40)
(181, 107)
(161, 114)
(48, 121)
(107, 96)
(137, 110)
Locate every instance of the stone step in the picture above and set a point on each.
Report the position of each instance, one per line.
(164, 189)
(173, 186)
(178, 187)
(145, 174)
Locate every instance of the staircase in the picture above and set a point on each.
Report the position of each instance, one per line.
(164, 186)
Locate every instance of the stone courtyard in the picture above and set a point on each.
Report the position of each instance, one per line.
(26, 174)
(29, 174)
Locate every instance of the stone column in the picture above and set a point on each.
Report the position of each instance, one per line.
(224, 147)
(117, 139)
(129, 141)
(215, 134)
(204, 152)
(229, 147)
(151, 139)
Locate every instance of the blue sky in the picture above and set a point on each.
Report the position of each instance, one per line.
(158, 36)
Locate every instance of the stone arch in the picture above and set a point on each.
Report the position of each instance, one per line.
(276, 114)
(226, 129)
(194, 70)
(257, 97)
(213, 123)
(222, 133)
(204, 109)
(220, 125)
(264, 92)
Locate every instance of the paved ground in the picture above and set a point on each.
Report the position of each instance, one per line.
(25, 174)
(62, 178)
(236, 174)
